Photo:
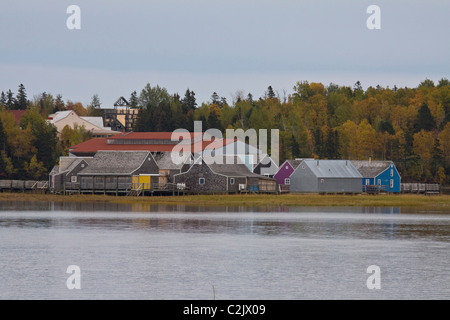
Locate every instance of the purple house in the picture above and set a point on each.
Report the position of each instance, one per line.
(284, 173)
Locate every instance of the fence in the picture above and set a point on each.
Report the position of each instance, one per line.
(23, 185)
(420, 188)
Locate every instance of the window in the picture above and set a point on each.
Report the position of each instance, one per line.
(231, 180)
(379, 182)
(367, 182)
(266, 175)
(392, 172)
(392, 183)
(73, 179)
(287, 181)
(201, 181)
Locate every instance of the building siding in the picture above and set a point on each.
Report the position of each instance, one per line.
(213, 181)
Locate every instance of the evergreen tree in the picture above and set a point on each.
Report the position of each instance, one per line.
(59, 104)
(215, 99)
(10, 100)
(3, 100)
(424, 120)
(93, 108)
(250, 98)
(134, 100)
(189, 102)
(270, 94)
(21, 98)
(295, 147)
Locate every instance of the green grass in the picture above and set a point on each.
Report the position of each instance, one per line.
(441, 202)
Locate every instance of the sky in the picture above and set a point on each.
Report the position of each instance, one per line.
(223, 46)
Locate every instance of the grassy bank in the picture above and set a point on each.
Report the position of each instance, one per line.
(440, 202)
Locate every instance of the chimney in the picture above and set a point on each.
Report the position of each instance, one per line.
(317, 162)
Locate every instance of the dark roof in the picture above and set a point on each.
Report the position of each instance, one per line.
(116, 162)
(236, 169)
(370, 169)
(295, 163)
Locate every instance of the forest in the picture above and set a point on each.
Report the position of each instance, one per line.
(410, 126)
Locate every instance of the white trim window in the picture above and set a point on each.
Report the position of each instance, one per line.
(73, 179)
(232, 180)
(201, 181)
(392, 183)
(287, 181)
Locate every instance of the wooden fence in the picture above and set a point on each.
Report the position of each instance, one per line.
(23, 185)
(420, 188)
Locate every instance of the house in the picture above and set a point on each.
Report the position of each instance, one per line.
(378, 175)
(326, 176)
(119, 171)
(282, 176)
(223, 177)
(66, 172)
(92, 124)
(169, 168)
(266, 167)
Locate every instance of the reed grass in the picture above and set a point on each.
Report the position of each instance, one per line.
(441, 202)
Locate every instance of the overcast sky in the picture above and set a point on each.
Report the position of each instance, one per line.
(218, 45)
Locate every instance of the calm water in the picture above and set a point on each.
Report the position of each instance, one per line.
(164, 252)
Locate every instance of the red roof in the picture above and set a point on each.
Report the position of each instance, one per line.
(96, 144)
(149, 135)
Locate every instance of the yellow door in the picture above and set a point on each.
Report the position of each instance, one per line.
(146, 182)
(135, 182)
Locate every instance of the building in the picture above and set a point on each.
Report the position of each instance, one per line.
(66, 172)
(378, 176)
(283, 175)
(69, 118)
(119, 171)
(122, 117)
(266, 167)
(202, 177)
(326, 176)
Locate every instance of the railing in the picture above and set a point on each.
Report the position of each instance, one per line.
(376, 188)
(23, 185)
(420, 188)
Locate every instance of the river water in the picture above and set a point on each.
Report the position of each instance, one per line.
(179, 252)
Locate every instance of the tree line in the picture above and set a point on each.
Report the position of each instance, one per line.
(410, 126)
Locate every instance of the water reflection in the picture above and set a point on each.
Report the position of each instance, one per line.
(100, 206)
(326, 223)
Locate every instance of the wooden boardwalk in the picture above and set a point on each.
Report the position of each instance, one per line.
(40, 186)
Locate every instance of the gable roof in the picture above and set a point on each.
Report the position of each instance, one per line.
(332, 168)
(370, 169)
(266, 162)
(295, 163)
(59, 115)
(164, 160)
(116, 162)
(236, 169)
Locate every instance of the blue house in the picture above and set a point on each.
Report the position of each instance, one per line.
(378, 175)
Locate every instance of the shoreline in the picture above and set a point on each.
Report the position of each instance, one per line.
(439, 202)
